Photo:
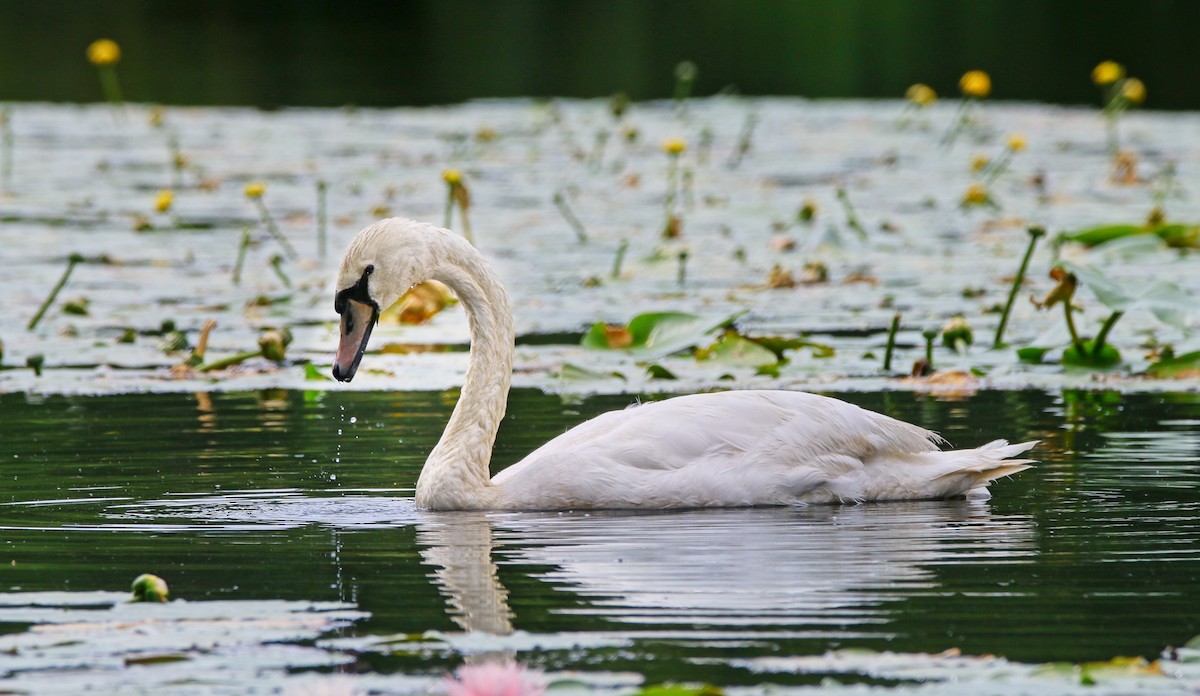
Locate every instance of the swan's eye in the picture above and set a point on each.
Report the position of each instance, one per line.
(369, 270)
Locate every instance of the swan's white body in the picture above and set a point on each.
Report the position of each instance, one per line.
(722, 449)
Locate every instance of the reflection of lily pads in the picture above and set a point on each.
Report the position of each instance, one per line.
(655, 334)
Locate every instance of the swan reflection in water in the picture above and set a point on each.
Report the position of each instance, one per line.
(757, 567)
(817, 566)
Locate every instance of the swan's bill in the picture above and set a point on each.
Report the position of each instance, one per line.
(358, 318)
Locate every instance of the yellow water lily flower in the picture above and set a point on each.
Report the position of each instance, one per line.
(1107, 73)
(976, 194)
(255, 189)
(975, 83)
(979, 163)
(452, 177)
(163, 201)
(674, 146)
(1133, 90)
(104, 52)
(1017, 142)
(921, 94)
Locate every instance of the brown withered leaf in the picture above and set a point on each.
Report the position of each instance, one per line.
(1062, 292)
(617, 336)
(420, 304)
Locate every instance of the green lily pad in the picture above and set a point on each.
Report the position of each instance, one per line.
(737, 351)
(1108, 356)
(656, 371)
(575, 373)
(778, 344)
(1167, 301)
(655, 334)
(1175, 235)
(1185, 365)
(1032, 354)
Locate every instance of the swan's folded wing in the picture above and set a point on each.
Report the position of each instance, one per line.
(727, 448)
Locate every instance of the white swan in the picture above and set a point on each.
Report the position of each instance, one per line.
(725, 449)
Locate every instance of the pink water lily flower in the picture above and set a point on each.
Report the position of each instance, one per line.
(495, 679)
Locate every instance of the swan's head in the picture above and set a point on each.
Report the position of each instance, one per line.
(382, 262)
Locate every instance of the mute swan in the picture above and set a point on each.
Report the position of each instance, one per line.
(726, 449)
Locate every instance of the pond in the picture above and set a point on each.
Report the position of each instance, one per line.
(253, 497)
(278, 504)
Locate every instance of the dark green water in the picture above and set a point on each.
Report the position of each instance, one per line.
(378, 52)
(306, 496)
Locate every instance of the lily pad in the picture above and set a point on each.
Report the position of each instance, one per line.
(575, 373)
(655, 334)
(1108, 356)
(1183, 366)
(1167, 301)
(79, 641)
(1175, 235)
(737, 351)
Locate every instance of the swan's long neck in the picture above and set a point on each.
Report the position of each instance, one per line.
(456, 474)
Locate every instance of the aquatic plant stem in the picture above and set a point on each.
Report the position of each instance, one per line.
(269, 222)
(1101, 337)
(681, 276)
(891, 343)
(560, 202)
(277, 264)
(1075, 340)
(745, 139)
(6, 142)
(71, 261)
(241, 256)
(619, 259)
(321, 214)
(851, 217)
(1034, 234)
(930, 335)
(229, 361)
(112, 88)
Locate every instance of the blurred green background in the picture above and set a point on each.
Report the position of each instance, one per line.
(415, 52)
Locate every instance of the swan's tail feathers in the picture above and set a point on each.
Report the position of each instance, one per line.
(979, 467)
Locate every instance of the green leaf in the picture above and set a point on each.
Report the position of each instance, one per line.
(575, 373)
(1108, 357)
(315, 374)
(737, 351)
(657, 371)
(1167, 301)
(680, 690)
(1102, 234)
(778, 344)
(1031, 354)
(1185, 365)
(655, 334)
(1175, 235)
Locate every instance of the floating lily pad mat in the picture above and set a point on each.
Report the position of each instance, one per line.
(890, 231)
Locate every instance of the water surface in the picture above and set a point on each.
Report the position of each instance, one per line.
(288, 495)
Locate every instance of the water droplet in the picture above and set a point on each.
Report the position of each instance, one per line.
(353, 420)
